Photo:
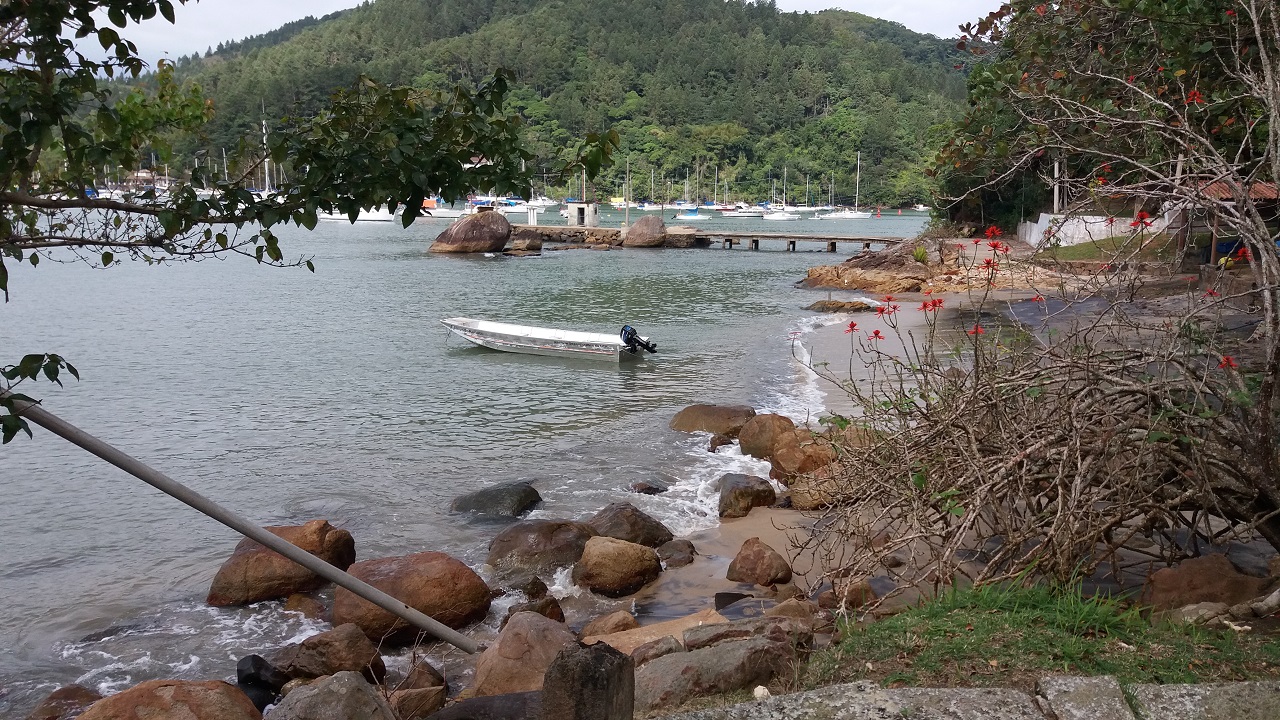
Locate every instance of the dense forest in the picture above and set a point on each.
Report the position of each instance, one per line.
(696, 88)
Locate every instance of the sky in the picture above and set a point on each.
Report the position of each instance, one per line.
(206, 23)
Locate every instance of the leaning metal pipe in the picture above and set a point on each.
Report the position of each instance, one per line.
(173, 488)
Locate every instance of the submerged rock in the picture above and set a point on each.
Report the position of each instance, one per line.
(716, 419)
(505, 500)
(625, 521)
(540, 545)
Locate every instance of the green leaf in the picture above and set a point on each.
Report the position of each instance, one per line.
(311, 266)
(107, 257)
(9, 427)
(166, 9)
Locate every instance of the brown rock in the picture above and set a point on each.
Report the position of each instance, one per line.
(794, 608)
(679, 236)
(625, 521)
(674, 679)
(65, 703)
(629, 640)
(422, 674)
(308, 606)
(1210, 578)
(790, 631)
(838, 306)
(760, 564)
(725, 420)
(655, 649)
(677, 553)
(844, 277)
(186, 699)
(800, 452)
(814, 491)
(254, 573)
(615, 567)
(648, 487)
(648, 231)
(518, 658)
(853, 593)
(546, 606)
(415, 704)
(619, 621)
(761, 435)
(482, 232)
(739, 493)
(526, 240)
(430, 582)
(343, 648)
(542, 545)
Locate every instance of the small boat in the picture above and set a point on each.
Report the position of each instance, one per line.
(377, 214)
(690, 214)
(921, 208)
(626, 345)
(780, 215)
(845, 215)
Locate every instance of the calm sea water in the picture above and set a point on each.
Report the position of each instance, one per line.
(289, 396)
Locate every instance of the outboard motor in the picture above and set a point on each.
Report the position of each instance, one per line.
(631, 338)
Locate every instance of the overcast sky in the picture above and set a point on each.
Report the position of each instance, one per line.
(209, 22)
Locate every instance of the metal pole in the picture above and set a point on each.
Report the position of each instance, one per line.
(242, 525)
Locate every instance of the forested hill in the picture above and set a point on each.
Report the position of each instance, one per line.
(691, 84)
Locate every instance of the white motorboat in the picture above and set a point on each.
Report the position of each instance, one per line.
(691, 214)
(377, 214)
(626, 345)
(780, 215)
(921, 208)
(845, 215)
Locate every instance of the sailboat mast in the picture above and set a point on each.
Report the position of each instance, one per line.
(857, 181)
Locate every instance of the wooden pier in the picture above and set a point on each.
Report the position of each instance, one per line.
(727, 239)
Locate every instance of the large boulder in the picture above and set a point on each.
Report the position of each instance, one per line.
(725, 420)
(479, 233)
(1210, 578)
(676, 678)
(517, 660)
(342, 649)
(64, 703)
(614, 568)
(505, 500)
(625, 521)
(762, 434)
(648, 231)
(431, 582)
(343, 696)
(540, 545)
(254, 573)
(800, 452)
(786, 630)
(416, 704)
(546, 606)
(739, 493)
(592, 682)
(760, 564)
(186, 699)
(677, 553)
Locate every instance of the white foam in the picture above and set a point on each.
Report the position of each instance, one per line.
(563, 586)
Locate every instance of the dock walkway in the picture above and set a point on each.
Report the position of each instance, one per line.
(725, 238)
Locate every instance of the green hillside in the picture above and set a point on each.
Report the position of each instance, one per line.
(692, 85)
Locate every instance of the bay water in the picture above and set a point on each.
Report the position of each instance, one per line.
(289, 396)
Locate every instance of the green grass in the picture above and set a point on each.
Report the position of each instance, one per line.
(1149, 248)
(1011, 636)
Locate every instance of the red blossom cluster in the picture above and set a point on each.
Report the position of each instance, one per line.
(1038, 298)
(1209, 293)
(1142, 219)
(977, 330)
(1195, 98)
(875, 335)
(993, 232)
(1228, 363)
(887, 310)
(933, 305)
(853, 327)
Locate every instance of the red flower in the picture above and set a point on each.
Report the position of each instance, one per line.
(977, 240)
(1111, 221)
(888, 298)
(929, 291)
(993, 232)
(990, 264)
(1041, 10)
(995, 245)
(936, 303)
(1191, 278)
(977, 330)
(853, 327)
(1004, 248)
(1106, 167)
(1038, 298)
(1142, 218)
(1228, 362)
(925, 307)
(885, 310)
(876, 335)
(1194, 98)
(1231, 13)
(960, 246)
(1209, 293)
(1101, 180)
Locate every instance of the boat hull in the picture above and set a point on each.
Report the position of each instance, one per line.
(548, 342)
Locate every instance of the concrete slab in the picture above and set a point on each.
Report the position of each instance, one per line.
(1226, 701)
(1084, 698)
(868, 701)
